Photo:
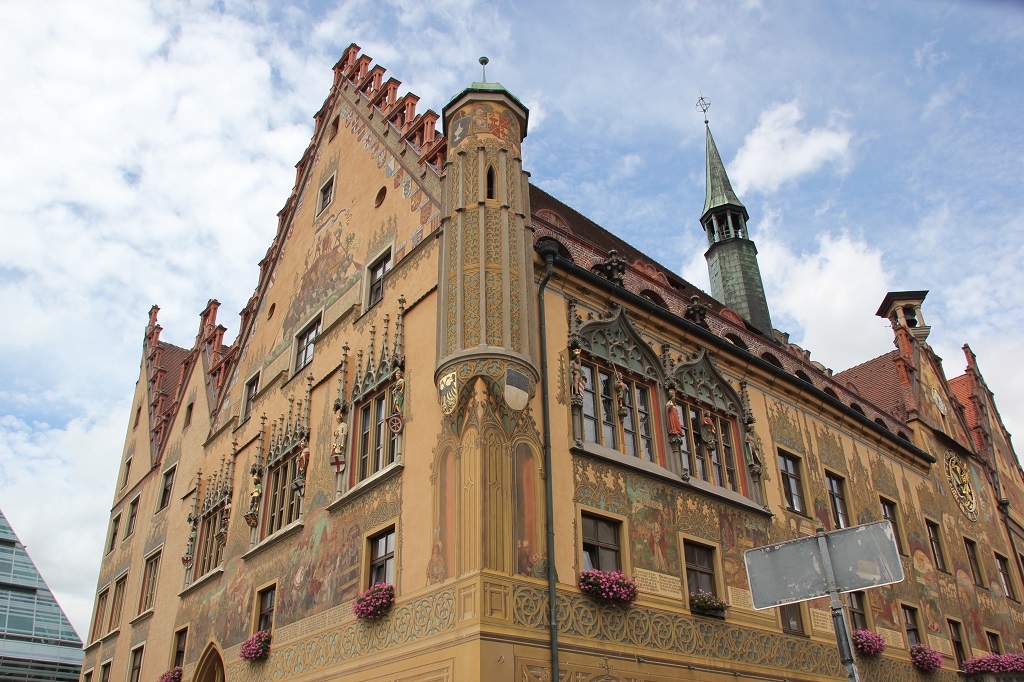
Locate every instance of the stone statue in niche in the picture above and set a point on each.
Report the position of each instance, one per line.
(578, 382)
(299, 484)
(398, 392)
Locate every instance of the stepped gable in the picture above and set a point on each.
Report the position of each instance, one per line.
(963, 391)
(878, 382)
(164, 380)
(580, 228)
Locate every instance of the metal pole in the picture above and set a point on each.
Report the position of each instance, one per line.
(838, 621)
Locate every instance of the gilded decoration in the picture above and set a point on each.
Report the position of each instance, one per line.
(495, 328)
(471, 317)
(700, 380)
(665, 631)
(600, 486)
(406, 623)
(453, 291)
(616, 340)
(883, 479)
(830, 449)
(958, 477)
(784, 428)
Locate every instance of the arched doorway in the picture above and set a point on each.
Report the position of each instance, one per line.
(211, 667)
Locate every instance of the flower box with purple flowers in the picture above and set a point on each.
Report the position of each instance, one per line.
(994, 663)
(706, 602)
(925, 658)
(257, 647)
(868, 643)
(609, 586)
(374, 602)
(172, 675)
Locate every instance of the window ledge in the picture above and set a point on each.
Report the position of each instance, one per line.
(269, 541)
(148, 613)
(655, 470)
(92, 645)
(385, 473)
(203, 579)
(110, 635)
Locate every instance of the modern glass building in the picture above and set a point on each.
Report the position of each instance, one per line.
(37, 641)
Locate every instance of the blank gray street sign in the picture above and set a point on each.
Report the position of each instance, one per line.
(862, 556)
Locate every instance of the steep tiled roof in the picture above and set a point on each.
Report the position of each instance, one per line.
(961, 388)
(878, 382)
(586, 230)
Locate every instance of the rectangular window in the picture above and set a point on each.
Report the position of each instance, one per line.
(994, 645)
(935, 541)
(972, 559)
(789, 468)
(133, 513)
(305, 344)
(105, 673)
(837, 501)
(126, 472)
(180, 639)
(1005, 580)
(858, 610)
(334, 127)
(377, 272)
(610, 401)
(98, 616)
(112, 541)
(890, 515)
(265, 600)
(382, 558)
(792, 619)
(707, 445)
(700, 568)
(957, 640)
(166, 487)
(283, 499)
(600, 544)
(87, 677)
(117, 604)
(910, 625)
(252, 387)
(326, 195)
(210, 551)
(149, 577)
(188, 415)
(378, 444)
(136, 666)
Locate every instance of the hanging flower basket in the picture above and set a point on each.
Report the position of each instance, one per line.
(257, 647)
(994, 663)
(172, 675)
(705, 602)
(868, 643)
(925, 658)
(609, 586)
(374, 602)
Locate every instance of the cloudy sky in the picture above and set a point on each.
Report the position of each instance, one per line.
(146, 147)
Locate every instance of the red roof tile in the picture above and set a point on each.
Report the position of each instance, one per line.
(878, 382)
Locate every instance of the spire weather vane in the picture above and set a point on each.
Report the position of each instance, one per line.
(483, 63)
(703, 105)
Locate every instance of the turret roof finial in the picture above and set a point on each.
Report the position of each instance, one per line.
(483, 63)
(703, 105)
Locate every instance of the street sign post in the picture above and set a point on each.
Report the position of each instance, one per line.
(825, 565)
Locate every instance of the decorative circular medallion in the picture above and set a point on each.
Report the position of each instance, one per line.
(958, 476)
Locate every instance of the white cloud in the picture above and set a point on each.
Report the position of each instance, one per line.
(778, 151)
(927, 57)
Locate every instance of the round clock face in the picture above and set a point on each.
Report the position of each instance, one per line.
(938, 402)
(958, 476)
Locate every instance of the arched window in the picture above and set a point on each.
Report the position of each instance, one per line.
(654, 298)
(736, 341)
(857, 408)
(828, 390)
(881, 422)
(492, 191)
(802, 376)
(772, 359)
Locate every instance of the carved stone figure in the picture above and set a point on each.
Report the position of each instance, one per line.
(340, 436)
(578, 382)
(398, 392)
(675, 427)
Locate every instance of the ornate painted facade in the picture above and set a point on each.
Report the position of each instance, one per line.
(449, 381)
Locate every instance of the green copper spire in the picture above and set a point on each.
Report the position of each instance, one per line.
(717, 188)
